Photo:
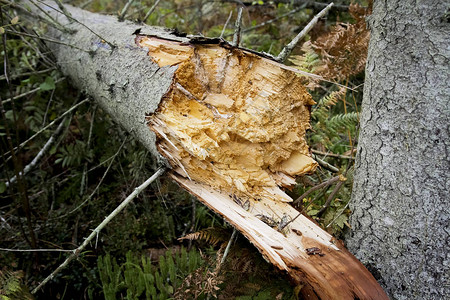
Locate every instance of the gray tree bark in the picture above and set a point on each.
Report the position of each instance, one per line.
(400, 224)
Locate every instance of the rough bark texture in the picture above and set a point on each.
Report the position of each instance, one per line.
(400, 224)
(222, 114)
(124, 81)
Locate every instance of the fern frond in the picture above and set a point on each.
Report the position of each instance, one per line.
(343, 121)
(308, 61)
(343, 51)
(11, 286)
(321, 110)
(211, 235)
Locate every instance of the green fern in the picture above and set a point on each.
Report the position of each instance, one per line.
(11, 286)
(343, 121)
(138, 277)
(322, 110)
(327, 129)
(307, 62)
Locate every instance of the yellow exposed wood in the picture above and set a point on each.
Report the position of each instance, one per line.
(237, 122)
(233, 127)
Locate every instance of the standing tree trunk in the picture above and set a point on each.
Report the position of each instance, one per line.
(400, 224)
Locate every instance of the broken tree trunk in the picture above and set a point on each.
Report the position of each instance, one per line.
(231, 123)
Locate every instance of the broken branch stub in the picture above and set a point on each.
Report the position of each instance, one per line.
(231, 120)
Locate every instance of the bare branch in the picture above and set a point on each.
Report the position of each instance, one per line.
(35, 250)
(50, 124)
(84, 181)
(46, 39)
(289, 47)
(29, 92)
(226, 24)
(63, 8)
(96, 231)
(331, 154)
(39, 17)
(317, 187)
(150, 11)
(41, 153)
(78, 22)
(62, 27)
(99, 184)
(325, 164)
(331, 196)
(227, 249)
(2, 77)
(237, 31)
(124, 10)
(272, 20)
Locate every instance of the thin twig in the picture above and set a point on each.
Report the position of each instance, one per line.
(331, 154)
(16, 162)
(326, 165)
(273, 20)
(339, 178)
(63, 8)
(338, 215)
(150, 11)
(47, 39)
(82, 24)
(124, 10)
(97, 230)
(298, 71)
(331, 197)
(99, 184)
(237, 30)
(50, 124)
(289, 47)
(84, 178)
(2, 77)
(85, 4)
(48, 107)
(41, 153)
(39, 17)
(29, 92)
(317, 187)
(227, 249)
(35, 250)
(62, 27)
(226, 24)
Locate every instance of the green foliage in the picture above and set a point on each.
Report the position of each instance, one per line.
(328, 126)
(72, 155)
(11, 286)
(138, 277)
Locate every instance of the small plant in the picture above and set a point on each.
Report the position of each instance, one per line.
(138, 277)
(11, 286)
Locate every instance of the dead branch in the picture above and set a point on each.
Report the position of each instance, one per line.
(97, 230)
(289, 47)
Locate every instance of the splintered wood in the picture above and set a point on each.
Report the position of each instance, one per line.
(233, 125)
(232, 120)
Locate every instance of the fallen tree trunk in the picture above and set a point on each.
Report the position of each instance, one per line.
(231, 124)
